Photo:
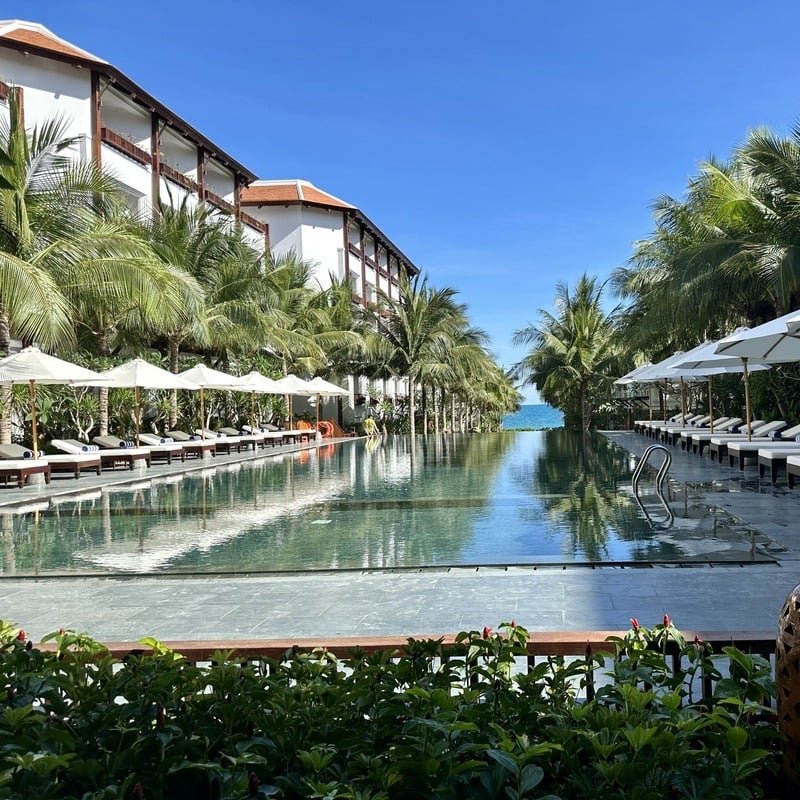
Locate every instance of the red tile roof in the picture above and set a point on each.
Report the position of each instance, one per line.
(36, 35)
(279, 193)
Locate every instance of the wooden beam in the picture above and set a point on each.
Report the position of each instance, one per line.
(96, 119)
(237, 201)
(155, 153)
(19, 96)
(201, 173)
(363, 241)
(346, 243)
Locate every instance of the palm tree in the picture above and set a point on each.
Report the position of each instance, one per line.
(47, 222)
(411, 337)
(575, 352)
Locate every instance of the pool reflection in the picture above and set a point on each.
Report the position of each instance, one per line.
(518, 497)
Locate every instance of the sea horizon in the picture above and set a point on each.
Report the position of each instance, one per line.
(536, 416)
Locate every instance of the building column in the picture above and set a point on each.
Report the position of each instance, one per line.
(201, 173)
(155, 155)
(346, 236)
(96, 118)
(363, 243)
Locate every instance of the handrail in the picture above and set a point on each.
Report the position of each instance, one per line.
(662, 471)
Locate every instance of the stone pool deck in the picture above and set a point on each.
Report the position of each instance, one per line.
(733, 597)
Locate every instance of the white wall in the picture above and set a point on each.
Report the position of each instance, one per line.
(323, 243)
(50, 88)
(284, 227)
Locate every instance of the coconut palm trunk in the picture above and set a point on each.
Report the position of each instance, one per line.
(173, 368)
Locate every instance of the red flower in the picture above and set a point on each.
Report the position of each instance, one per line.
(252, 784)
(635, 624)
(138, 792)
(21, 635)
(61, 631)
(487, 632)
(667, 621)
(513, 623)
(697, 640)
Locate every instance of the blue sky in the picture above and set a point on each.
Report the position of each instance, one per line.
(503, 147)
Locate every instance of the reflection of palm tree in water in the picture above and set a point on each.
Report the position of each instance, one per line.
(577, 478)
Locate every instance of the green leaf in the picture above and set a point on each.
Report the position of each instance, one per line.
(506, 761)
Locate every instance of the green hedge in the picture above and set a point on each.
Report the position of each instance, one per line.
(78, 723)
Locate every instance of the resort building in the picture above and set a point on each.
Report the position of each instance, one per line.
(155, 155)
(150, 150)
(340, 241)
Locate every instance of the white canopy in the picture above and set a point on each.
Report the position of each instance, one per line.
(774, 342)
(141, 373)
(326, 388)
(291, 384)
(32, 366)
(632, 376)
(705, 360)
(204, 377)
(256, 382)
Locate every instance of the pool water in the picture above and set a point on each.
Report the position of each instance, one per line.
(513, 498)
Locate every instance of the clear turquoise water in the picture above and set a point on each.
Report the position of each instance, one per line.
(508, 498)
(533, 417)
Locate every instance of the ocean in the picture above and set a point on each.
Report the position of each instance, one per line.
(534, 416)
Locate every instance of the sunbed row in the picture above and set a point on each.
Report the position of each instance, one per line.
(109, 452)
(774, 446)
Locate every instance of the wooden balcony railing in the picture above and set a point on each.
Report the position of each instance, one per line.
(5, 91)
(127, 148)
(354, 250)
(220, 202)
(254, 223)
(178, 177)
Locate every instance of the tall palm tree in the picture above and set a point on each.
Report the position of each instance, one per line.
(575, 353)
(411, 336)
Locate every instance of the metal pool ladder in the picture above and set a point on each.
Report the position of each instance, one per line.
(660, 477)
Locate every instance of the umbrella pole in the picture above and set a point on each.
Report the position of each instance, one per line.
(747, 398)
(137, 410)
(710, 405)
(649, 403)
(253, 410)
(34, 432)
(683, 398)
(202, 415)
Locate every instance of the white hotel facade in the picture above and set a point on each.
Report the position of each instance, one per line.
(155, 155)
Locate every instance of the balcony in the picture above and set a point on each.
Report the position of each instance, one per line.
(5, 91)
(354, 250)
(254, 223)
(174, 175)
(127, 148)
(220, 202)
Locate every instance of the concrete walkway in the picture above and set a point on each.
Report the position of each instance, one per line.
(730, 597)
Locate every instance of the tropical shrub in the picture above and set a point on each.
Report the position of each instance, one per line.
(79, 723)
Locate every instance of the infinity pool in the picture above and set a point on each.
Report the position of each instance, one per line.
(493, 499)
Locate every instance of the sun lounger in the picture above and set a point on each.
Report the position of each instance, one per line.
(115, 451)
(670, 434)
(739, 453)
(246, 438)
(718, 446)
(765, 431)
(225, 444)
(20, 469)
(696, 441)
(641, 425)
(651, 429)
(73, 463)
(775, 460)
(193, 444)
(792, 469)
(162, 447)
(270, 437)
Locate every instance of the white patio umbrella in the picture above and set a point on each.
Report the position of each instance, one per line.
(203, 378)
(292, 385)
(325, 388)
(704, 360)
(32, 366)
(140, 374)
(256, 383)
(774, 342)
(663, 371)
